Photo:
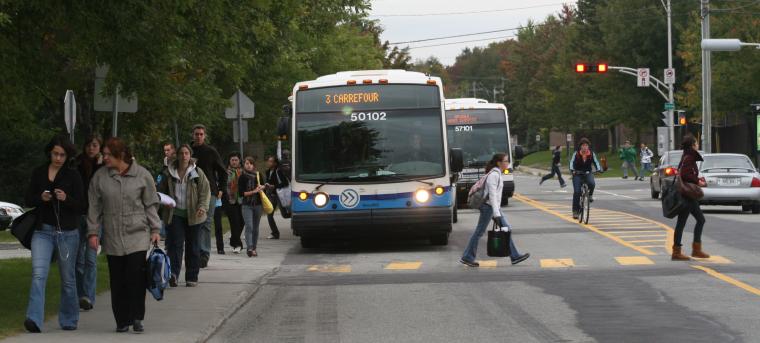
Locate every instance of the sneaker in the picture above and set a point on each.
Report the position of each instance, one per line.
(469, 264)
(85, 304)
(191, 283)
(625, 177)
(173, 281)
(273, 237)
(124, 328)
(590, 199)
(575, 215)
(220, 252)
(523, 257)
(236, 250)
(68, 328)
(138, 327)
(31, 326)
(249, 252)
(563, 185)
(204, 261)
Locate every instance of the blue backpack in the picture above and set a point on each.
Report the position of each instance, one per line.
(159, 271)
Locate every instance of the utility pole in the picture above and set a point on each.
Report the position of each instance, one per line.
(474, 90)
(706, 81)
(671, 133)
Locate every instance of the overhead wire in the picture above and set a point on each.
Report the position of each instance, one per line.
(466, 12)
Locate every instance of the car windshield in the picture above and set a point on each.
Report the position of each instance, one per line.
(726, 162)
(479, 133)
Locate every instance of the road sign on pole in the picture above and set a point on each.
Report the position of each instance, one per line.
(116, 103)
(241, 102)
(538, 138)
(670, 76)
(670, 106)
(70, 112)
(236, 129)
(663, 140)
(643, 77)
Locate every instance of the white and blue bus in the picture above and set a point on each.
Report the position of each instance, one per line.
(370, 157)
(480, 129)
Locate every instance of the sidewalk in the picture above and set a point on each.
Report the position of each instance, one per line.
(185, 314)
(13, 250)
(532, 171)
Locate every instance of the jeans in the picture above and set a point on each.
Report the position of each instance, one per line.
(486, 215)
(252, 217)
(577, 182)
(46, 241)
(647, 167)
(270, 217)
(128, 282)
(87, 265)
(235, 215)
(204, 234)
(184, 236)
(218, 229)
(555, 170)
(696, 211)
(629, 165)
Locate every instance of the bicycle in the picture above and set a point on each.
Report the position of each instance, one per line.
(585, 201)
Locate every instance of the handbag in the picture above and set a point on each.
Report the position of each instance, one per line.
(688, 189)
(498, 242)
(673, 202)
(265, 203)
(23, 227)
(283, 194)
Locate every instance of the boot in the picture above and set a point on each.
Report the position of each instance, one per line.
(696, 251)
(677, 255)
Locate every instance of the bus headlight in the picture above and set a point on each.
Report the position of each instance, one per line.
(507, 171)
(439, 190)
(303, 196)
(422, 196)
(320, 199)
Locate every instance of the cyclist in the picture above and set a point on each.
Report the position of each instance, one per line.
(581, 164)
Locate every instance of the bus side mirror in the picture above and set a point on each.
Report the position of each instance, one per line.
(456, 160)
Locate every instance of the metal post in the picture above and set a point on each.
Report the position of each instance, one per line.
(240, 122)
(671, 135)
(72, 115)
(474, 90)
(115, 127)
(706, 82)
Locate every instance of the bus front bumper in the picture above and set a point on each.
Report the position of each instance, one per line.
(421, 222)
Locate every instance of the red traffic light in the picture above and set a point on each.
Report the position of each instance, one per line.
(580, 68)
(583, 68)
(601, 68)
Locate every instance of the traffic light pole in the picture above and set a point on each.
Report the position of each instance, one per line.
(706, 81)
(671, 129)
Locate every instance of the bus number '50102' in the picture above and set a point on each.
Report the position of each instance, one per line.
(361, 116)
(463, 128)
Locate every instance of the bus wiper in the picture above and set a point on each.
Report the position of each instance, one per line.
(327, 182)
(400, 177)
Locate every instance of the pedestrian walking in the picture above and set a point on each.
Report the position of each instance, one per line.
(123, 200)
(646, 160)
(275, 180)
(556, 156)
(210, 162)
(628, 155)
(232, 202)
(491, 211)
(189, 188)
(689, 172)
(88, 162)
(249, 186)
(55, 191)
(170, 152)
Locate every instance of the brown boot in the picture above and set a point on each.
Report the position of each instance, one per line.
(696, 251)
(677, 255)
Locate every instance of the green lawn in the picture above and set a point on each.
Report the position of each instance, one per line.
(5, 236)
(14, 292)
(542, 160)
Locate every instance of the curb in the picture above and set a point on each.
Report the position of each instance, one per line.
(243, 299)
(532, 171)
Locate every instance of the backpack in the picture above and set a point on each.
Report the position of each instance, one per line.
(476, 197)
(159, 272)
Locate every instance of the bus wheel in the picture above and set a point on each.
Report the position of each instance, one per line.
(309, 243)
(442, 239)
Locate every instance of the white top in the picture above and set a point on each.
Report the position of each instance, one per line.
(494, 186)
(646, 155)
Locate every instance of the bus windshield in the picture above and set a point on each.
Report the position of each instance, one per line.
(369, 133)
(479, 133)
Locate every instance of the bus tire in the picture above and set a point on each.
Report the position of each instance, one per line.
(441, 239)
(309, 243)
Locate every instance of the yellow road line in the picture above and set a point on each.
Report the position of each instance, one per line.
(637, 236)
(403, 266)
(628, 227)
(715, 259)
(646, 241)
(540, 206)
(634, 260)
(557, 263)
(488, 264)
(728, 279)
(632, 231)
(331, 268)
(652, 246)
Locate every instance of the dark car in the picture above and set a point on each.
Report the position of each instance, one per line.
(5, 219)
(666, 169)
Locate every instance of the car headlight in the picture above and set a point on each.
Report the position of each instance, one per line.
(320, 199)
(422, 196)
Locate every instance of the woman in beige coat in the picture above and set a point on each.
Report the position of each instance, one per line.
(124, 201)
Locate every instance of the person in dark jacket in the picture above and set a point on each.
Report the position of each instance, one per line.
(249, 186)
(57, 194)
(210, 162)
(556, 156)
(275, 180)
(88, 162)
(581, 166)
(689, 172)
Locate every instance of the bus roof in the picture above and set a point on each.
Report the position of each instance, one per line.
(374, 76)
(472, 104)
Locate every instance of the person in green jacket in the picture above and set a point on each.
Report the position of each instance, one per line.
(628, 155)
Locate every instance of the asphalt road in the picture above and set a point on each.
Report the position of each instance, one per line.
(609, 281)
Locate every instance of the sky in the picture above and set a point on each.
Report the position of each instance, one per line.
(408, 20)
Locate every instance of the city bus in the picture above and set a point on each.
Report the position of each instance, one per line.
(480, 129)
(370, 157)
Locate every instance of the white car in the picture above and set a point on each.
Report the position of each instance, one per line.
(9, 212)
(731, 180)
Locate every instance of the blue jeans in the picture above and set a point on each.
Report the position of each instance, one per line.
(486, 215)
(46, 241)
(181, 236)
(204, 234)
(647, 167)
(577, 183)
(87, 265)
(252, 218)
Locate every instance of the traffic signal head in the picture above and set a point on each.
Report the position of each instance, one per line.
(601, 68)
(680, 118)
(580, 68)
(583, 68)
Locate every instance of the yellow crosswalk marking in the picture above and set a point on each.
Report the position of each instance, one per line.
(488, 264)
(403, 266)
(636, 236)
(647, 241)
(331, 268)
(715, 259)
(557, 263)
(650, 231)
(634, 260)
(653, 246)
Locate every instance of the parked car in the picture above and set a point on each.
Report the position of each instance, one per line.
(8, 212)
(732, 179)
(665, 170)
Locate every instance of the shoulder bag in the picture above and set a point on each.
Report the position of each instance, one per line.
(265, 203)
(23, 227)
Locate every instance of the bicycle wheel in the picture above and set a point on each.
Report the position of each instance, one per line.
(582, 202)
(586, 205)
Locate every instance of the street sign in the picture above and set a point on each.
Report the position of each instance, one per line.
(70, 112)
(670, 76)
(235, 131)
(569, 137)
(670, 106)
(242, 101)
(642, 80)
(105, 103)
(663, 139)
(538, 138)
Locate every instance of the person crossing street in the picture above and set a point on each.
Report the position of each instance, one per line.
(556, 156)
(628, 155)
